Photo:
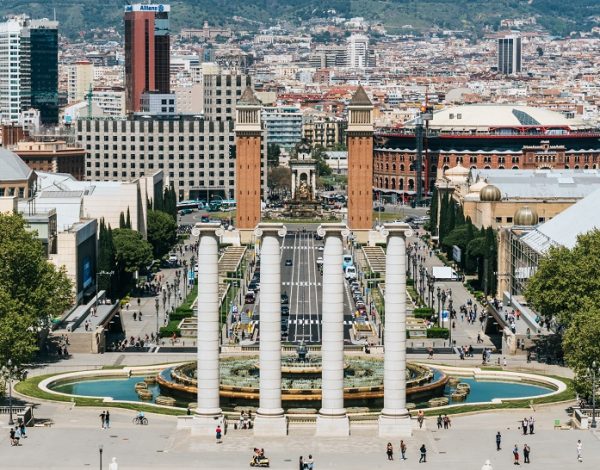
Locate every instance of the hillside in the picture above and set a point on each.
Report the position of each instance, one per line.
(558, 16)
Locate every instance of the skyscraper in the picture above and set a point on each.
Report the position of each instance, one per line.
(147, 52)
(28, 68)
(509, 55)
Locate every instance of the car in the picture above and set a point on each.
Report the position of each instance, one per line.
(285, 311)
(185, 211)
(288, 262)
(379, 209)
(318, 237)
(250, 297)
(355, 284)
(284, 324)
(285, 299)
(321, 248)
(173, 258)
(205, 219)
(320, 260)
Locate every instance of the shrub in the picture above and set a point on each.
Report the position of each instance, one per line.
(436, 332)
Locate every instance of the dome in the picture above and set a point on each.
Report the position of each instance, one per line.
(525, 216)
(476, 187)
(490, 193)
(458, 170)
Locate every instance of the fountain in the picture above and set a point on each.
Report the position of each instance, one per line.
(301, 381)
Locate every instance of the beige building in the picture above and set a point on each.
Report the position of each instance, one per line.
(80, 80)
(494, 197)
(323, 130)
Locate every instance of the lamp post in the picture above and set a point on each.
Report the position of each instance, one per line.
(430, 286)
(439, 297)
(100, 450)
(591, 371)
(157, 305)
(9, 372)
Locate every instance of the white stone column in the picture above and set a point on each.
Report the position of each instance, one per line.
(332, 419)
(270, 420)
(395, 419)
(313, 183)
(208, 413)
(293, 184)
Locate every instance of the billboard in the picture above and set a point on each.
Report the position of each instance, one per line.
(157, 8)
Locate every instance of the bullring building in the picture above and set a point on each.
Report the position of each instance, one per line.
(482, 137)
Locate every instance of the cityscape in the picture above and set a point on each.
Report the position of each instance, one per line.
(293, 235)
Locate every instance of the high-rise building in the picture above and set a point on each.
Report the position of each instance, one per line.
(283, 125)
(81, 79)
(509, 55)
(28, 68)
(147, 52)
(221, 91)
(358, 53)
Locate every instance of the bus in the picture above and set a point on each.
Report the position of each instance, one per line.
(228, 205)
(347, 262)
(191, 204)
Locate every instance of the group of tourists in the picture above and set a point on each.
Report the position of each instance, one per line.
(105, 419)
(390, 451)
(17, 433)
(443, 422)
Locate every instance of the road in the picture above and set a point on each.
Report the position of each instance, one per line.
(302, 282)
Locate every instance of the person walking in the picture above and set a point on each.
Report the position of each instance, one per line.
(516, 455)
(218, 433)
(440, 421)
(310, 463)
(103, 419)
(525, 425)
(526, 451)
(301, 463)
(531, 424)
(390, 451)
(12, 437)
(403, 449)
(18, 436)
(420, 418)
(107, 419)
(498, 440)
(423, 450)
(579, 450)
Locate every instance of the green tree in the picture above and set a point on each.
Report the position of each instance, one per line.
(323, 169)
(122, 223)
(581, 345)
(128, 219)
(162, 232)
(273, 154)
(106, 258)
(32, 290)
(567, 279)
(132, 251)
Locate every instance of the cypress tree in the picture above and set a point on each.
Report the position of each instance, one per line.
(128, 219)
(122, 223)
(433, 211)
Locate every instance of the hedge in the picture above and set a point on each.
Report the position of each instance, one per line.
(436, 332)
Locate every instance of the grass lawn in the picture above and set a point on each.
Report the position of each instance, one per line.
(30, 388)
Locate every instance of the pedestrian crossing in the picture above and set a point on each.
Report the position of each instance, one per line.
(310, 321)
(295, 247)
(301, 284)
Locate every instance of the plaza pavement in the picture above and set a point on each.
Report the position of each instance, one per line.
(73, 440)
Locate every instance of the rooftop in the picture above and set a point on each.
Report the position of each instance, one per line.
(549, 184)
(564, 229)
(12, 167)
(485, 117)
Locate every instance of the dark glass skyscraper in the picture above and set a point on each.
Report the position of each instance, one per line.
(147, 52)
(43, 43)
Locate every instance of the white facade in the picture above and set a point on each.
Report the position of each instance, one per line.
(357, 51)
(13, 93)
(110, 100)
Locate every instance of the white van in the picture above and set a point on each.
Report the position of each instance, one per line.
(350, 273)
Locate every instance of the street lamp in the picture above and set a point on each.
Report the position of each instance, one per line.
(100, 449)
(430, 286)
(439, 297)
(591, 371)
(9, 372)
(157, 305)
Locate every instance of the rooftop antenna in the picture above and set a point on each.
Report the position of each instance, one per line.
(54, 14)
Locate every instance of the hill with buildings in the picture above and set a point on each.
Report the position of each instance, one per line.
(559, 17)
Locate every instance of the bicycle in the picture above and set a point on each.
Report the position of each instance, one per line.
(142, 420)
